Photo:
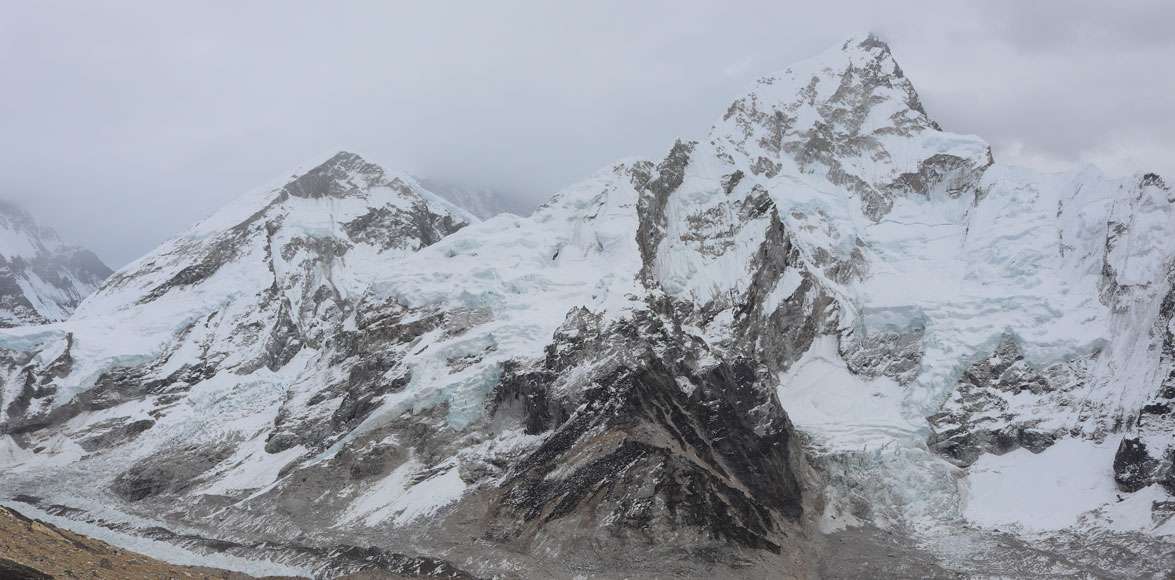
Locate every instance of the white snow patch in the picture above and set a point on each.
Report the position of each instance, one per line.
(784, 288)
(1045, 491)
(1133, 512)
(842, 410)
(398, 499)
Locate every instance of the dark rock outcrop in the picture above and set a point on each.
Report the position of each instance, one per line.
(650, 446)
(977, 418)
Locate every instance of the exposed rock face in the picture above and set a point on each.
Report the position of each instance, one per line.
(42, 279)
(712, 364)
(1147, 455)
(843, 124)
(173, 473)
(654, 446)
(784, 308)
(655, 189)
(983, 414)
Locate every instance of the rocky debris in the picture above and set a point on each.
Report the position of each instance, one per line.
(353, 562)
(867, 552)
(42, 546)
(112, 433)
(169, 472)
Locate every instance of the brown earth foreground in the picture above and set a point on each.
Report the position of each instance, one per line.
(35, 550)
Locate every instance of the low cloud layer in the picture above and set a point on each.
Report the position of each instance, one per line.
(123, 123)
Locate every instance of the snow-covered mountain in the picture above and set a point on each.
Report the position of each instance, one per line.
(828, 339)
(42, 279)
(246, 291)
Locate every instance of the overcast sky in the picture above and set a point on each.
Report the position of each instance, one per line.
(123, 123)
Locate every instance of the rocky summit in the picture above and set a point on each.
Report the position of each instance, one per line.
(830, 339)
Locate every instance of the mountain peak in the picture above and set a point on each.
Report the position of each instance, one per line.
(350, 161)
(852, 87)
(42, 279)
(12, 211)
(344, 206)
(868, 41)
(850, 115)
(867, 61)
(343, 174)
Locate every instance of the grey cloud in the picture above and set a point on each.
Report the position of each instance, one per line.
(124, 123)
